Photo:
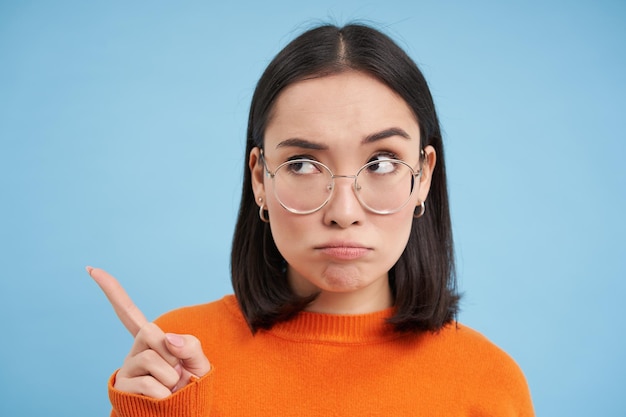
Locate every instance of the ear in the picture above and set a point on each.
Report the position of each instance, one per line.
(428, 167)
(257, 171)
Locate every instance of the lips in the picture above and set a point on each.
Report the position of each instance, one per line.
(344, 251)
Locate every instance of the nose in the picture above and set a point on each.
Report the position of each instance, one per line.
(343, 209)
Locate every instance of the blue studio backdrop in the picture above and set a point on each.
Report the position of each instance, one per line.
(122, 131)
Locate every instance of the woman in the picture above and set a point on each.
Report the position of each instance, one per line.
(342, 264)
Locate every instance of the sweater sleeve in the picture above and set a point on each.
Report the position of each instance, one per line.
(194, 400)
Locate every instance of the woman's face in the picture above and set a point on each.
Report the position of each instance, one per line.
(343, 251)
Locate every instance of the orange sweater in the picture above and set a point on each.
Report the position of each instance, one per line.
(327, 365)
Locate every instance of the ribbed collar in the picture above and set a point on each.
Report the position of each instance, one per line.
(337, 329)
(330, 328)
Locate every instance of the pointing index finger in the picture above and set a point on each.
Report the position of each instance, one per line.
(132, 318)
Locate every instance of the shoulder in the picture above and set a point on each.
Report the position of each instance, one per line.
(211, 316)
(468, 341)
(472, 347)
(471, 356)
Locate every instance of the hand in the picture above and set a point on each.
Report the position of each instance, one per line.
(158, 363)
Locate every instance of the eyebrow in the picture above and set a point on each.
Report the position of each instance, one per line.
(307, 144)
(384, 134)
(301, 143)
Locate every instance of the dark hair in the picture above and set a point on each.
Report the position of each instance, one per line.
(422, 281)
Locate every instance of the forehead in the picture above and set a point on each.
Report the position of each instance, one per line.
(333, 108)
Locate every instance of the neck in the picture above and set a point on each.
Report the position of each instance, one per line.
(363, 301)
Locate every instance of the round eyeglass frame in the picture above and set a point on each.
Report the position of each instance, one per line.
(355, 186)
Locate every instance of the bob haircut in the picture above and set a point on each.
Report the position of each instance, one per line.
(422, 281)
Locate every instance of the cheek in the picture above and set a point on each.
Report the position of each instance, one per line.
(288, 229)
(398, 229)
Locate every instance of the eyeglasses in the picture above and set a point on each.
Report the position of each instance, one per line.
(382, 186)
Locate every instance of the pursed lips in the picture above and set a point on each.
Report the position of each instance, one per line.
(344, 251)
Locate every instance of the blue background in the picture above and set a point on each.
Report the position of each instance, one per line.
(122, 130)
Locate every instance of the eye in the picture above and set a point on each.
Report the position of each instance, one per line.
(382, 164)
(302, 167)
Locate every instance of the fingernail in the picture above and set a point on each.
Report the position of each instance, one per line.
(89, 269)
(175, 340)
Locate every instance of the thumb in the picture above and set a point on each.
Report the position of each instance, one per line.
(188, 349)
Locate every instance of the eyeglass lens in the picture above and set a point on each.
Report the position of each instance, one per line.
(303, 186)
